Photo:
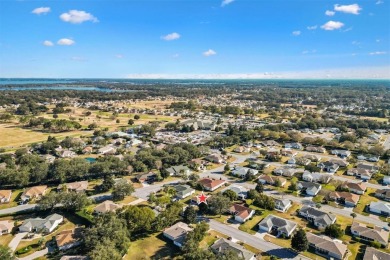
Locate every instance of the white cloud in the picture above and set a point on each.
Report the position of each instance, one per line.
(377, 40)
(76, 16)
(119, 56)
(171, 36)
(332, 25)
(309, 51)
(379, 2)
(226, 2)
(378, 53)
(65, 41)
(314, 27)
(348, 29)
(329, 13)
(41, 10)
(296, 33)
(48, 43)
(349, 9)
(209, 52)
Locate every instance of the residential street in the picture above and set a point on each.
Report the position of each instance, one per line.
(19, 208)
(254, 241)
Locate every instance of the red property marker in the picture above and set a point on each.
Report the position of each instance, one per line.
(202, 198)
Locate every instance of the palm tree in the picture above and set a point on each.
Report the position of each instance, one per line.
(353, 215)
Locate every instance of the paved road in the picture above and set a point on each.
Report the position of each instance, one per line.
(254, 241)
(16, 240)
(386, 143)
(19, 208)
(144, 192)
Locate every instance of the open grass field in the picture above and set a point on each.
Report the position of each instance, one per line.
(152, 247)
(13, 136)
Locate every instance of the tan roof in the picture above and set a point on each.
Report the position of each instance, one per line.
(210, 183)
(35, 191)
(272, 179)
(374, 254)
(107, 206)
(5, 193)
(77, 186)
(177, 230)
(6, 225)
(68, 236)
(356, 186)
(326, 243)
(350, 197)
(241, 211)
(377, 233)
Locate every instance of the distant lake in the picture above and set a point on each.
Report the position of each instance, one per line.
(81, 88)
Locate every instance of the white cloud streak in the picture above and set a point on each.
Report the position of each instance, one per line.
(329, 13)
(171, 36)
(378, 53)
(349, 9)
(41, 10)
(314, 27)
(76, 17)
(226, 2)
(209, 52)
(48, 43)
(296, 33)
(332, 25)
(65, 41)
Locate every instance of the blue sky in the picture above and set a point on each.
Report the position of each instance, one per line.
(204, 38)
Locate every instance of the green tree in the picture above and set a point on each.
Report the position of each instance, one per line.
(74, 201)
(218, 204)
(6, 253)
(334, 230)
(299, 241)
(105, 250)
(230, 194)
(226, 169)
(190, 215)
(136, 117)
(121, 190)
(48, 201)
(259, 187)
(139, 219)
(130, 122)
(107, 184)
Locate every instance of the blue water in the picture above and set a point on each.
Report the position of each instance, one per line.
(90, 159)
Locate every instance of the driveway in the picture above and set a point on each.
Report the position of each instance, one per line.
(16, 240)
(35, 255)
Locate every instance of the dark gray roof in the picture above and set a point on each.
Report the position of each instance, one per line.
(319, 216)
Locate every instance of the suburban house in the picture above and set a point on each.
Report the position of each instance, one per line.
(243, 171)
(179, 170)
(150, 176)
(368, 157)
(69, 238)
(258, 165)
(282, 205)
(386, 180)
(177, 233)
(107, 150)
(297, 146)
(239, 190)
(271, 180)
(242, 149)
(35, 192)
(369, 167)
(346, 198)
(376, 234)
(278, 226)
(315, 149)
(340, 162)
(87, 150)
(309, 188)
(241, 213)
(312, 157)
(39, 225)
(374, 254)
(325, 246)
(79, 186)
(106, 206)
(317, 217)
(222, 244)
(381, 208)
(383, 194)
(66, 154)
(198, 164)
(287, 171)
(48, 158)
(215, 158)
(211, 184)
(341, 153)
(6, 227)
(316, 177)
(288, 152)
(363, 174)
(357, 188)
(270, 143)
(292, 160)
(328, 166)
(183, 191)
(302, 161)
(5, 196)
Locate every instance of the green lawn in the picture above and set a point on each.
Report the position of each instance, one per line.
(13, 201)
(210, 238)
(5, 239)
(365, 199)
(153, 247)
(251, 225)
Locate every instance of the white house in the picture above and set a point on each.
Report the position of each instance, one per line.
(46, 225)
(381, 208)
(241, 213)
